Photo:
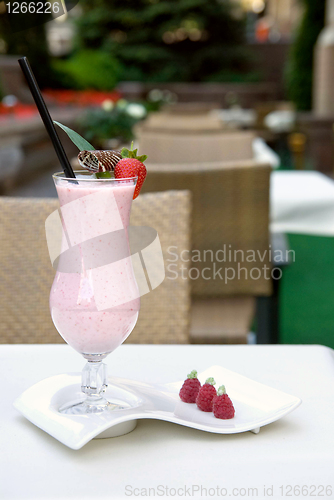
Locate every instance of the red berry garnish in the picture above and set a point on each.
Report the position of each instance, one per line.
(222, 405)
(190, 388)
(205, 395)
(131, 165)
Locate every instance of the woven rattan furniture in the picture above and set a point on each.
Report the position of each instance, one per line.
(188, 145)
(165, 312)
(230, 213)
(189, 108)
(26, 274)
(221, 319)
(181, 123)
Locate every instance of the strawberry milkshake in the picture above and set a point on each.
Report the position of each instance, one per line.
(94, 299)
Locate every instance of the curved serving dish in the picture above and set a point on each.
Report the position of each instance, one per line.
(255, 404)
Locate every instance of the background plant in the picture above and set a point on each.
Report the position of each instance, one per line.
(300, 66)
(88, 69)
(111, 122)
(167, 40)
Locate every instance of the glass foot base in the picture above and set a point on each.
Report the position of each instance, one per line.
(87, 407)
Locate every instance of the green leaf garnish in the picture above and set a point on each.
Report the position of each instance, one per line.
(103, 175)
(132, 153)
(125, 153)
(79, 141)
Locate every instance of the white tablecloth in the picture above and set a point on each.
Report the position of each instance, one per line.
(297, 450)
(302, 202)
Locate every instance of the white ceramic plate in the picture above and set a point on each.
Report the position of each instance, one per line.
(255, 405)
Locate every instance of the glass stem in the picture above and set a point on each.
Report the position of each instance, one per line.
(94, 381)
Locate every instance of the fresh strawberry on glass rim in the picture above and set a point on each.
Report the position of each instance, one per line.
(131, 165)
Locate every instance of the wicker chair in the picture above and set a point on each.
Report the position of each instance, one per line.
(189, 108)
(182, 123)
(230, 212)
(188, 145)
(26, 274)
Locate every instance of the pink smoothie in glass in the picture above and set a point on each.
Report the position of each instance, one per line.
(96, 307)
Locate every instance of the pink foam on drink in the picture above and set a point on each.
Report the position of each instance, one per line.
(83, 305)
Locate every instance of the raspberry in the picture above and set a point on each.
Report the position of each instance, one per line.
(205, 395)
(190, 388)
(222, 405)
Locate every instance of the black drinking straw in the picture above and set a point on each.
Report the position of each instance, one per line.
(45, 115)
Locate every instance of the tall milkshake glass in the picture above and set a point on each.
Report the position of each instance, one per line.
(94, 299)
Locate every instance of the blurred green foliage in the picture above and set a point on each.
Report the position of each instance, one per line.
(299, 74)
(99, 125)
(167, 40)
(88, 69)
(143, 40)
